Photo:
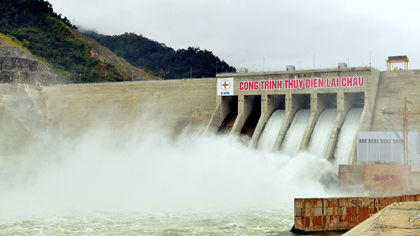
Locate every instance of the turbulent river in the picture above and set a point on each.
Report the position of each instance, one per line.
(103, 184)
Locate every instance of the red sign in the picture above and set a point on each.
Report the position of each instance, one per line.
(296, 83)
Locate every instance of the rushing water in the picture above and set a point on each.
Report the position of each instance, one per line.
(104, 184)
(322, 131)
(294, 135)
(347, 136)
(188, 222)
(271, 131)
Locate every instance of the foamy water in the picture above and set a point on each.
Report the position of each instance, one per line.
(271, 130)
(347, 137)
(196, 185)
(322, 131)
(294, 135)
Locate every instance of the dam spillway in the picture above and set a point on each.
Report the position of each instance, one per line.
(242, 105)
(302, 96)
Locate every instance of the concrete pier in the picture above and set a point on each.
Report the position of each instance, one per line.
(269, 104)
(293, 104)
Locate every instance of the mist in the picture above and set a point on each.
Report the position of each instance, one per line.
(109, 172)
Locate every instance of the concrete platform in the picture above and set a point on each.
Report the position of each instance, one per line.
(400, 218)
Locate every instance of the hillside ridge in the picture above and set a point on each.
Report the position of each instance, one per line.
(106, 55)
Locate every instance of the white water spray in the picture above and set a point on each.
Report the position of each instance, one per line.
(100, 173)
(322, 131)
(294, 135)
(271, 131)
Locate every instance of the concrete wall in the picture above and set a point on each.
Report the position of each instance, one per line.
(387, 180)
(14, 137)
(351, 177)
(393, 87)
(380, 179)
(131, 106)
(22, 119)
(23, 102)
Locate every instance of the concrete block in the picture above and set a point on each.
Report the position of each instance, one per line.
(318, 211)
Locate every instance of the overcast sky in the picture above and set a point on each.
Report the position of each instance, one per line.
(265, 34)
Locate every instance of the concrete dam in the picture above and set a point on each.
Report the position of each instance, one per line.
(236, 103)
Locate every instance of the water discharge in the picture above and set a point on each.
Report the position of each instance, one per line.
(294, 135)
(271, 131)
(347, 136)
(322, 131)
(193, 183)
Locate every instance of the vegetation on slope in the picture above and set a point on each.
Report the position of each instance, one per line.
(36, 27)
(161, 60)
(10, 42)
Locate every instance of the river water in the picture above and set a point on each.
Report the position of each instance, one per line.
(113, 184)
(186, 222)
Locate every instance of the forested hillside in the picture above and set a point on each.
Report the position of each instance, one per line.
(161, 60)
(36, 27)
